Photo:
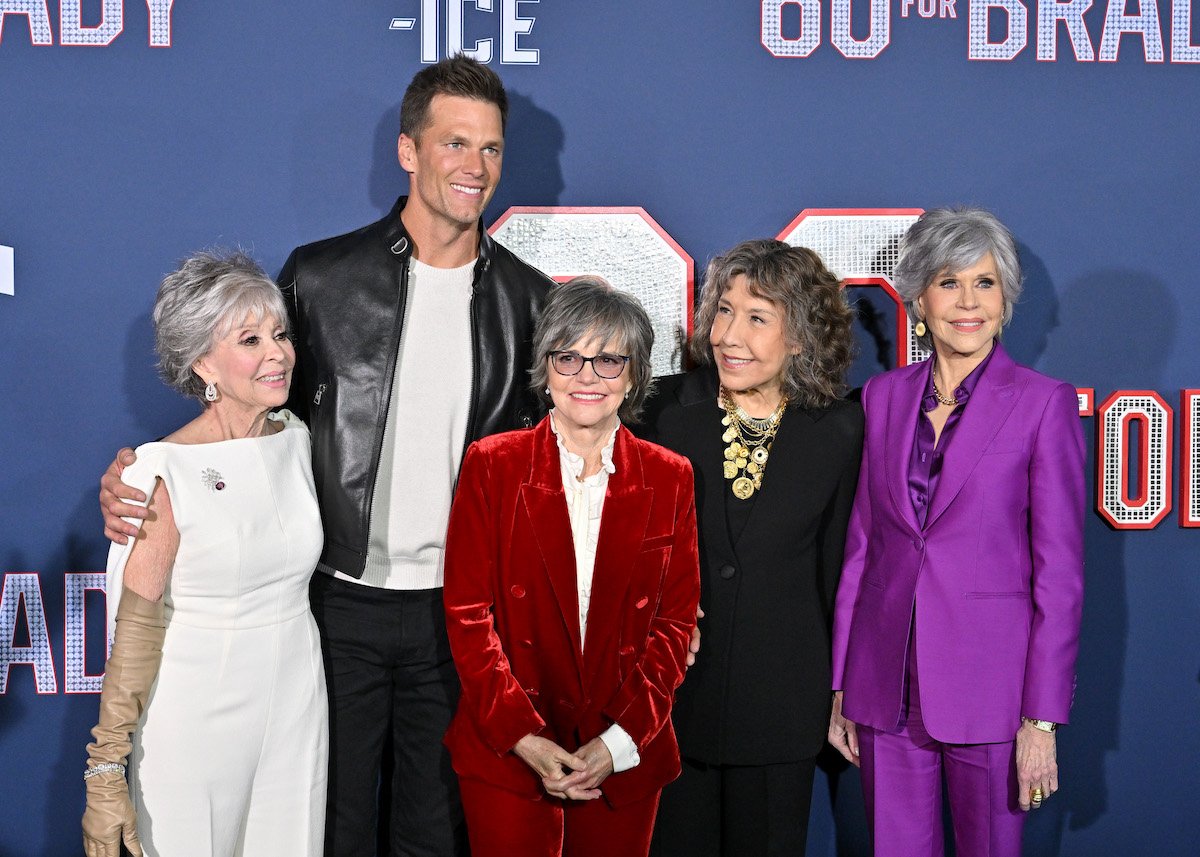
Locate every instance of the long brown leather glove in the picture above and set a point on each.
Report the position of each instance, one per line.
(132, 667)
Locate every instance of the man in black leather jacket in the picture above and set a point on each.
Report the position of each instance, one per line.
(346, 299)
(352, 304)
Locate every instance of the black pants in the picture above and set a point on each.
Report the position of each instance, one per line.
(735, 811)
(390, 676)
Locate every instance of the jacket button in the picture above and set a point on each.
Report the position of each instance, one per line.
(727, 572)
(517, 590)
(627, 650)
(917, 544)
(641, 603)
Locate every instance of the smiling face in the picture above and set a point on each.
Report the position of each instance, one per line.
(251, 366)
(455, 166)
(587, 402)
(748, 342)
(964, 310)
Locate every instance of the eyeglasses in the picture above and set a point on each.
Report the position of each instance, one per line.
(605, 365)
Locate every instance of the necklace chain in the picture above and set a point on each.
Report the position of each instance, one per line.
(945, 400)
(749, 440)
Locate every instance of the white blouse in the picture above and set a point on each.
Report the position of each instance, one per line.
(585, 505)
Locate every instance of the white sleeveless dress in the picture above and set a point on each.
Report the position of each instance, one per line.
(230, 755)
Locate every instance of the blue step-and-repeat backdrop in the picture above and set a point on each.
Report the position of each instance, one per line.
(644, 137)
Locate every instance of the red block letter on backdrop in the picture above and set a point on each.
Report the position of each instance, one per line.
(1144, 505)
(860, 245)
(1189, 458)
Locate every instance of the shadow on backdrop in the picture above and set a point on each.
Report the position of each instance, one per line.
(1096, 344)
(534, 142)
(386, 180)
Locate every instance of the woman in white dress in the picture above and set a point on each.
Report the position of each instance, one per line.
(213, 721)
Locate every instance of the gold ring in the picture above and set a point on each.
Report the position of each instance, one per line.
(1035, 795)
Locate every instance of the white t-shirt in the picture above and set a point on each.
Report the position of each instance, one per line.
(425, 433)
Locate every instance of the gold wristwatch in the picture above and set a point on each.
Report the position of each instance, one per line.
(1044, 725)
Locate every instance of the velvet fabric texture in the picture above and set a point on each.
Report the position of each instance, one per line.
(504, 824)
(512, 615)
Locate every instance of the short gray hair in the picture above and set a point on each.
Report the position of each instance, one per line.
(591, 306)
(950, 239)
(200, 302)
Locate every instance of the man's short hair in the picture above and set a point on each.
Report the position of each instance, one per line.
(457, 75)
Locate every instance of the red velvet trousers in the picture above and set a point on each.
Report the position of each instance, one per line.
(503, 824)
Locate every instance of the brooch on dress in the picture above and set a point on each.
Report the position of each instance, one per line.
(212, 479)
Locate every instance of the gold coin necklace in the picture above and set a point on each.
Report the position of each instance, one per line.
(749, 440)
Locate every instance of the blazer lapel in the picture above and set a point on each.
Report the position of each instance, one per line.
(987, 410)
(546, 505)
(623, 524)
(703, 444)
(903, 408)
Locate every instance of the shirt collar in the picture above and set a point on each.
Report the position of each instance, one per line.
(963, 391)
(574, 463)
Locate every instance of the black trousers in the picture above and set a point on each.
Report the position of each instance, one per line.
(735, 811)
(392, 683)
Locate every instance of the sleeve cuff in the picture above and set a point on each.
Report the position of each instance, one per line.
(621, 747)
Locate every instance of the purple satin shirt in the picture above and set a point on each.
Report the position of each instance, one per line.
(925, 466)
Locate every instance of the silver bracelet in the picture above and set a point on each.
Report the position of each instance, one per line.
(103, 768)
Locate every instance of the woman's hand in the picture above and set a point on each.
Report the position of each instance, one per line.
(585, 784)
(553, 764)
(109, 819)
(113, 494)
(694, 643)
(1037, 765)
(843, 734)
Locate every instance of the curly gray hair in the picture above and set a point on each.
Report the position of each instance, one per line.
(816, 315)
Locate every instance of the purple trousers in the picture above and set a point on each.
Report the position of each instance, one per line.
(902, 786)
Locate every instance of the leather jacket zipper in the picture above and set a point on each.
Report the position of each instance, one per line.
(401, 314)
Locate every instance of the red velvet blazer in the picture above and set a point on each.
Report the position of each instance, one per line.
(513, 618)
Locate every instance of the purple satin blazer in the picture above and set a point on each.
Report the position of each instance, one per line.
(994, 578)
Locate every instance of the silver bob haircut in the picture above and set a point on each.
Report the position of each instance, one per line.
(199, 303)
(950, 239)
(590, 306)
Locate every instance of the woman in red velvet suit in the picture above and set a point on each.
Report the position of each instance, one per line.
(572, 581)
(957, 620)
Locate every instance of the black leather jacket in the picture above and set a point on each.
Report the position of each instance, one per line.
(346, 298)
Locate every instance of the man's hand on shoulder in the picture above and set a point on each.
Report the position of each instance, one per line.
(113, 496)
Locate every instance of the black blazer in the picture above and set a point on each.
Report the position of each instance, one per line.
(760, 690)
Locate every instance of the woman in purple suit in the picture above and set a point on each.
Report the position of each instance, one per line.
(957, 618)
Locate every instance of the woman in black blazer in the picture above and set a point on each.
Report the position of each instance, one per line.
(775, 453)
